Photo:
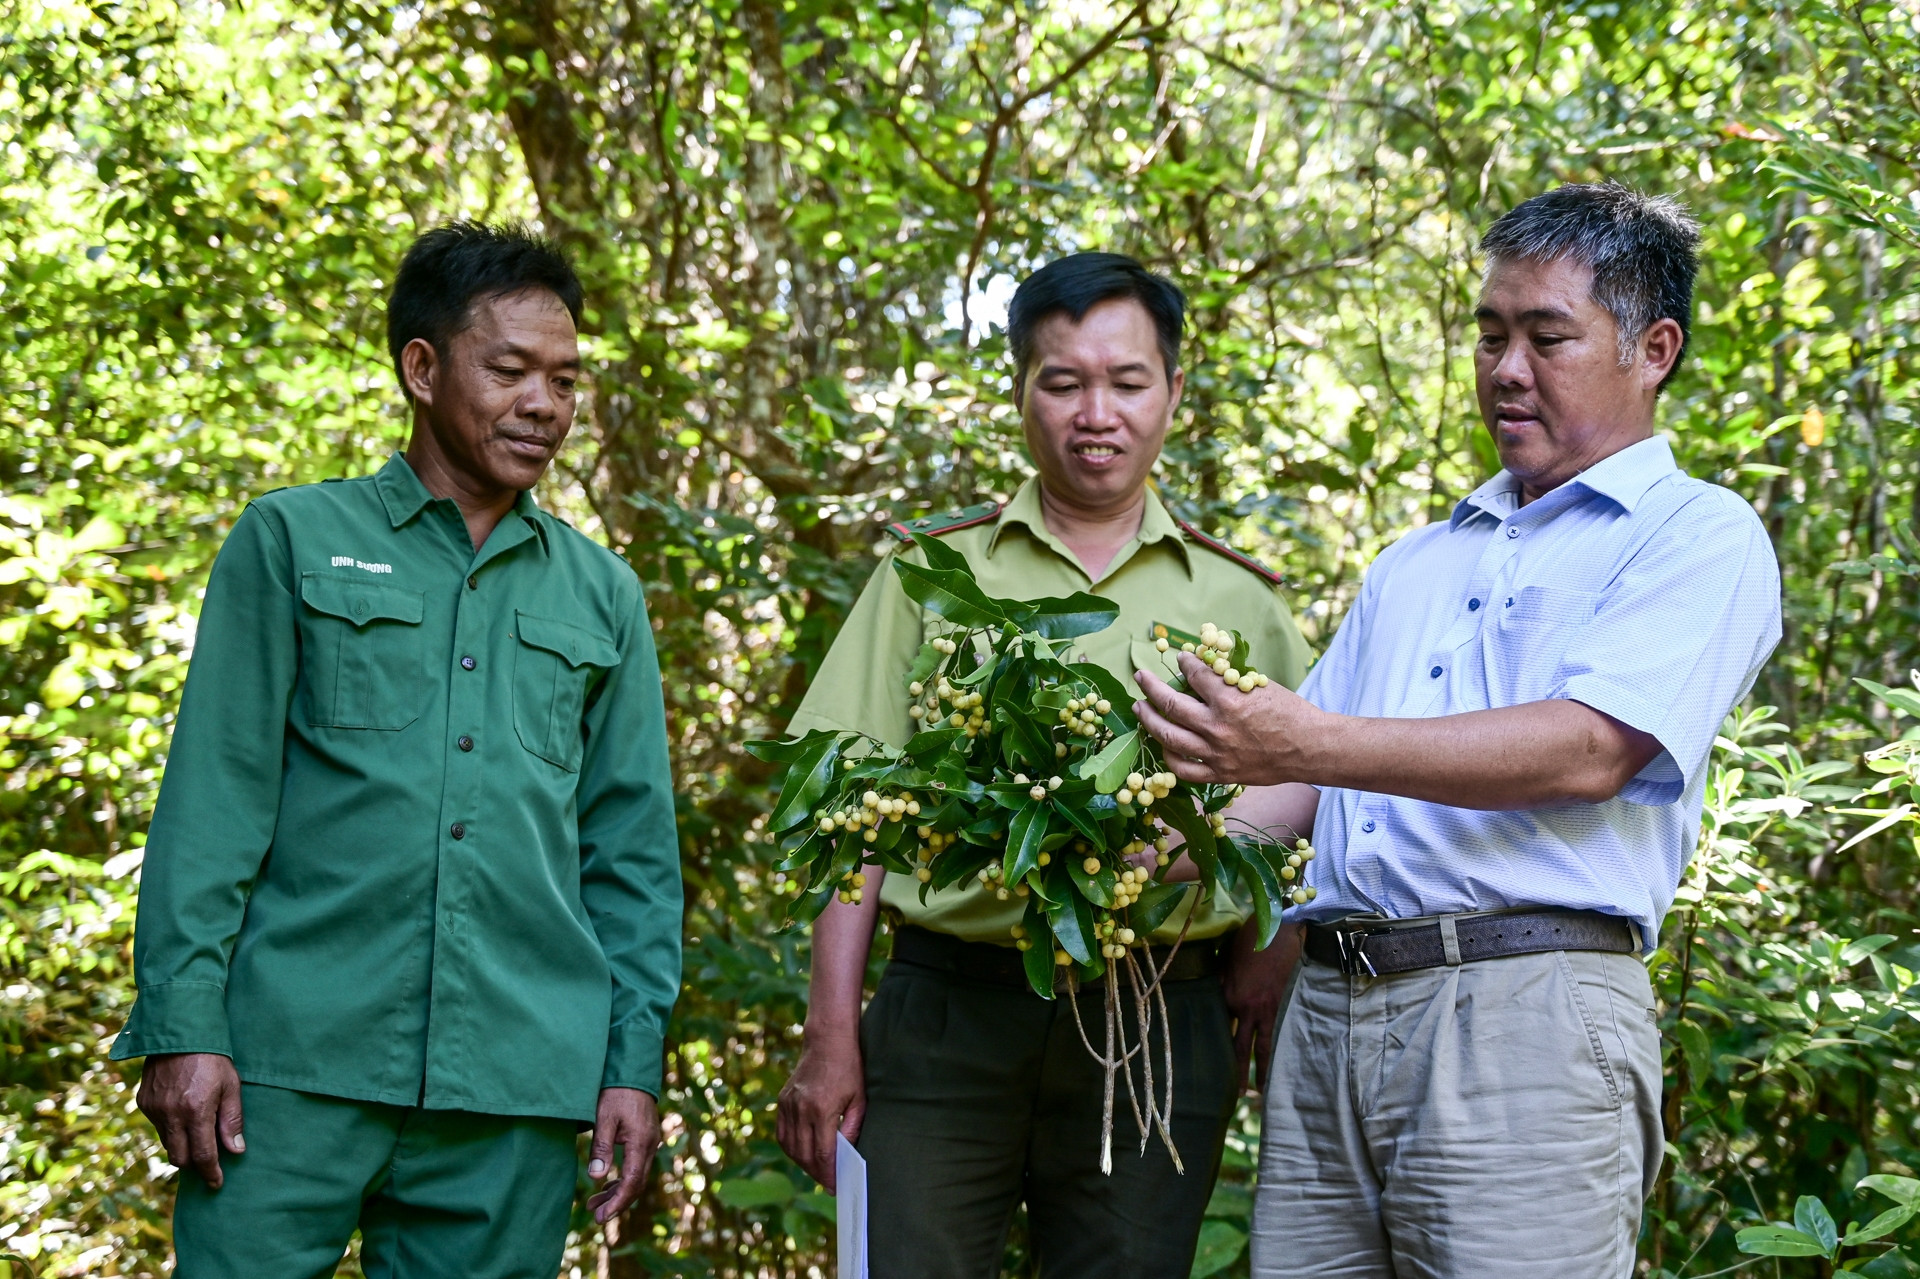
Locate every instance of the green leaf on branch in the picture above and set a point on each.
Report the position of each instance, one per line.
(1810, 1216)
(1778, 1241)
(1078, 614)
(1902, 1190)
(1156, 904)
(813, 769)
(1072, 924)
(1884, 1224)
(1024, 838)
(949, 593)
(1110, 767)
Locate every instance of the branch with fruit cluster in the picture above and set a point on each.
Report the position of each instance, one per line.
(1029, 777)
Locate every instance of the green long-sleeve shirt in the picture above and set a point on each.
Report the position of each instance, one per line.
(416, 839)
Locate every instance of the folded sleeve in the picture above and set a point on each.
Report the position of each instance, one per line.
(630, 856)
(860, 687)
(220, 798)
(1679, 636)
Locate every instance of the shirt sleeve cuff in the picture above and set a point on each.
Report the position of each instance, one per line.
(635, 1048)
(1662, 781)
(176, 1017)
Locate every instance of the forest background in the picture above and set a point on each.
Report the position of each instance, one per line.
(799, 221)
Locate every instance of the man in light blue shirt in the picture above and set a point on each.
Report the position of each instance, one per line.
(1502, 758)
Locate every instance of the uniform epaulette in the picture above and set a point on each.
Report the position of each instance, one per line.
(1247, 562)
(937, 525)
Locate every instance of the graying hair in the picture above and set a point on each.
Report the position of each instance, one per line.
(1641, 249)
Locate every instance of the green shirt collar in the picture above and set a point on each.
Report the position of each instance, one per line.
(404, 496)
(1156, 525)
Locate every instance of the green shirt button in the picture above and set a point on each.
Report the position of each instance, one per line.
(360, 608)
(467, 663)
(458, 831)
(473, 583)
(466, 744)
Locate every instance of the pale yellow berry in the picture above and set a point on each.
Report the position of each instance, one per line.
(1145, 799)
(957, 720)
(1053, 783)
(1103, 706)
(859, 880)
(1289, 872)
(1059, 750)
(1021, 778)
(1125, 796)
(1046, 859)
(1163, 859)
(1161, 645)
(1074, 704)
(916, 688)
(871, 835)
(924, 875)
(826, 825)
(1091, 865)
(1038, 792)
(871, 799)
(1126, 936)
(1062, 958)
(1000, 894)
(913, 808)
(1135, 781)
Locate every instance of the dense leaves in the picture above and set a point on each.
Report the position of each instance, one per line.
(800, 220)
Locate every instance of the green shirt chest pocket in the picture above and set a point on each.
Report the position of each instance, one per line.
(551, 669)
(361, 652)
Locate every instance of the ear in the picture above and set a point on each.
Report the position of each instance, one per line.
(1175, 389)
(1659, 351)
(419, 368)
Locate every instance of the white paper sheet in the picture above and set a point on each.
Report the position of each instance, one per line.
(850, 1208)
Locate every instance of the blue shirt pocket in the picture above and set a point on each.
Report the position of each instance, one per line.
(551, 669)
(1533, 627)
(362, 664)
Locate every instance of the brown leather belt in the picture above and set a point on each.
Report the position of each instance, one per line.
(1005, 966)
(1370, 947)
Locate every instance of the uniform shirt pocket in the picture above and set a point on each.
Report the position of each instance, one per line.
(1532, 630)
(551, 669)
(361, 657)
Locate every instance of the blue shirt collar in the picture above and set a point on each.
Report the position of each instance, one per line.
(1623, 477)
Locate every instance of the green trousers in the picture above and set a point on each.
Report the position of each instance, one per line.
(433, 1193)
(981, 1095)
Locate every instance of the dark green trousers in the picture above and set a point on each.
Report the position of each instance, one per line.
(434, 1193)
(981, 1095)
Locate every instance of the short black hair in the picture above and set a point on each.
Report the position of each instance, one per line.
(1081, 281)
(451, 267)
(1641, 248)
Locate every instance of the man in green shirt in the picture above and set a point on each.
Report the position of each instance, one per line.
(411, 902)
(966, 1093)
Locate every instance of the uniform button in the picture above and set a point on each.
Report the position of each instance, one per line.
(1367, 826)
(465, 743)
(473, 583)
(467, 663)
(458, 831)
(1435, 672)
(1472, 605)
(1511, 532)
(1509, 601)
(360, 608)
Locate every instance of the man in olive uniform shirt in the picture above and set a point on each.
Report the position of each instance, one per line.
(966, 1093)
(411, 899)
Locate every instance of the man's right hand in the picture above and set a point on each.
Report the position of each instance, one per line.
(826, 1095)
(193, 1101)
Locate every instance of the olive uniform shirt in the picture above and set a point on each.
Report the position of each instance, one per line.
(1168, 575)
(416, 840)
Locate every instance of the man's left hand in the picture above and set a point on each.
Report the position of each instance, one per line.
(1222, 735)
(1254, 983)
(628, 1118)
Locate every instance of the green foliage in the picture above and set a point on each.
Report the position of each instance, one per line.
(798, 220)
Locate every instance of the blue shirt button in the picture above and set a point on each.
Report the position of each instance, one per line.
(1509, 601)
(1435, 672)
(1472, 605)
(1367, 826)
(1512, 531)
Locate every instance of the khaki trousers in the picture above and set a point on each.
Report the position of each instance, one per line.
(1490, 1119)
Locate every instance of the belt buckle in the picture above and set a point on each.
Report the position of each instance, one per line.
(1353, 952)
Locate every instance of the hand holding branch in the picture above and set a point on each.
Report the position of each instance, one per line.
(1218, 734)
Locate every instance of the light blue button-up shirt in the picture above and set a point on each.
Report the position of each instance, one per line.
(1632, 588)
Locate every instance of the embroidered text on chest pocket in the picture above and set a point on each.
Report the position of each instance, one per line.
(551, 669)
(362, 664)
(1531, 630)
